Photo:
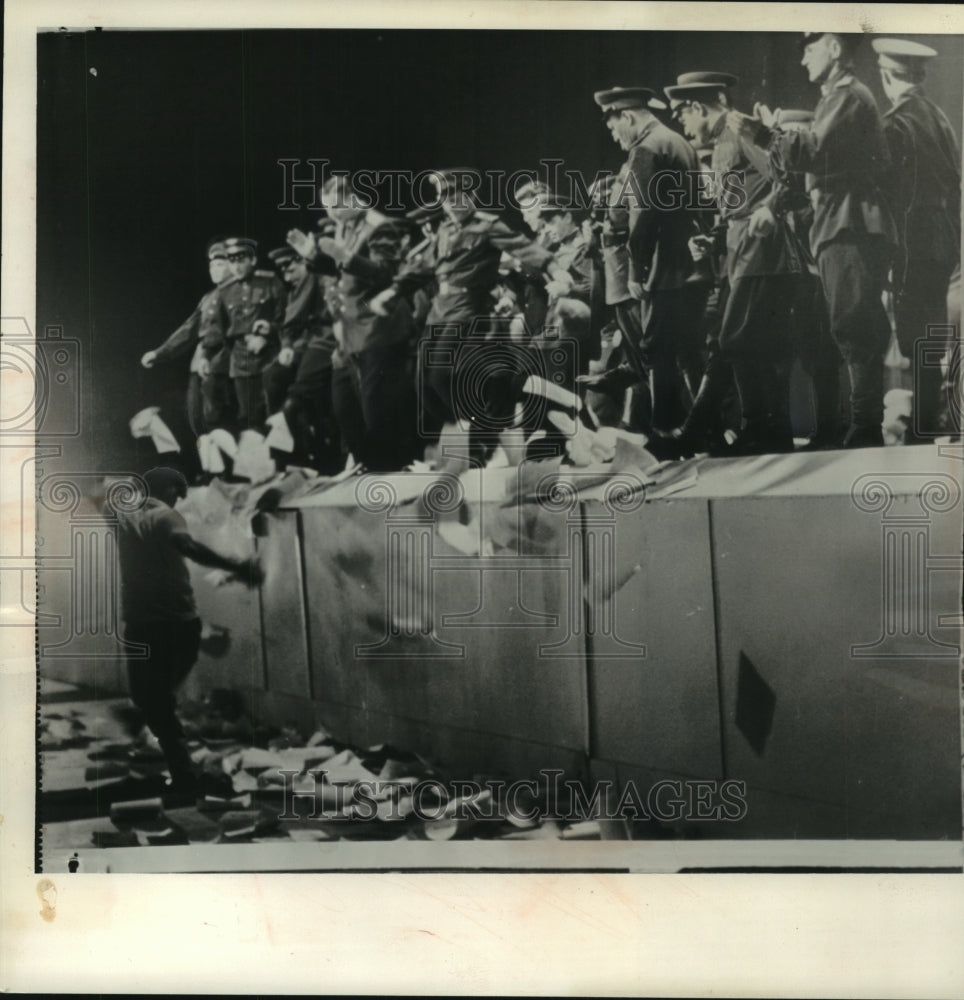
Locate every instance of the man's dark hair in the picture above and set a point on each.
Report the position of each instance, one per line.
(162, 479)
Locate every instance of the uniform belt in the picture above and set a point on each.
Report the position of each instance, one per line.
(613, 239)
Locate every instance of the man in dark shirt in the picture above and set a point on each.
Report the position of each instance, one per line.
(844, 156)
(159, 611)
(924, 187)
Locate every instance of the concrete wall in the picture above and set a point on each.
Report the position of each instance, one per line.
(801, 639)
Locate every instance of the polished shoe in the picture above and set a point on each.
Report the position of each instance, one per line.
(664, 446)
(864, 436)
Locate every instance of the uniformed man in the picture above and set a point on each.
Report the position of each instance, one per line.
(464, 260)
(844, 155)
(762, 266)
(813, 345)
(210, 400)
(298, 381)
(250, 313)
(373, 399)
(531, 196)
(924, 186)
(568, 316)
(607, 232)
(661, 220)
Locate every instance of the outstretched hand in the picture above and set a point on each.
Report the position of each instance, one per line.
(249, 572)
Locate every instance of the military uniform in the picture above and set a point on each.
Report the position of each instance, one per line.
(844, 155)
(924, 187)
(302, 390)
(658, 250)
(761, 275)
(463, 259)
(372, 386)
(210, 401)
(242, 302)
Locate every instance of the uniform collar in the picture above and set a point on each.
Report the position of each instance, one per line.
(840, 76)
(718, 129)
(915, 91)
(646, 130)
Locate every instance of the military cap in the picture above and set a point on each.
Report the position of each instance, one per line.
(849, 39)
(901, 54)
(282, 256)
(423, 213)
(237, 244)
(216, 249)
(690, 86)
(623, 98)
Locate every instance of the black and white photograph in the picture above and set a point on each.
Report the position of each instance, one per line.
(488, 449)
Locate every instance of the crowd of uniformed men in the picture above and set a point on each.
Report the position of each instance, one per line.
(674, 309)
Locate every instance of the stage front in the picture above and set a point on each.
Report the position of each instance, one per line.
(790, 624)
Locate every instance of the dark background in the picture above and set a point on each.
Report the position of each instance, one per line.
(151, 142)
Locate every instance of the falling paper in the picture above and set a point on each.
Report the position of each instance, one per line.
(210, 455)
(225, 442)
(279, 437)
(254, 458)
(147, 423)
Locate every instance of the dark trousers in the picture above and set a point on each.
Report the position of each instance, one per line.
(276, 379)
(670, 349)
(710, 412)
(819, 359)
(475, 379)
(252, 412)
(630, 322)
(172, 652)
(920, 309)
(310, 415)
(210, 403)
(755, 340)
(852, 273)
(374, 403)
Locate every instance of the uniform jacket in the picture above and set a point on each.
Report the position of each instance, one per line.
(374, 247)
(203, 322)
(924, 181)
(661, 218)
(746, 255)
(464, 259)
(572, 255)
(241, 303)
(844, 156)
(307, 321)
